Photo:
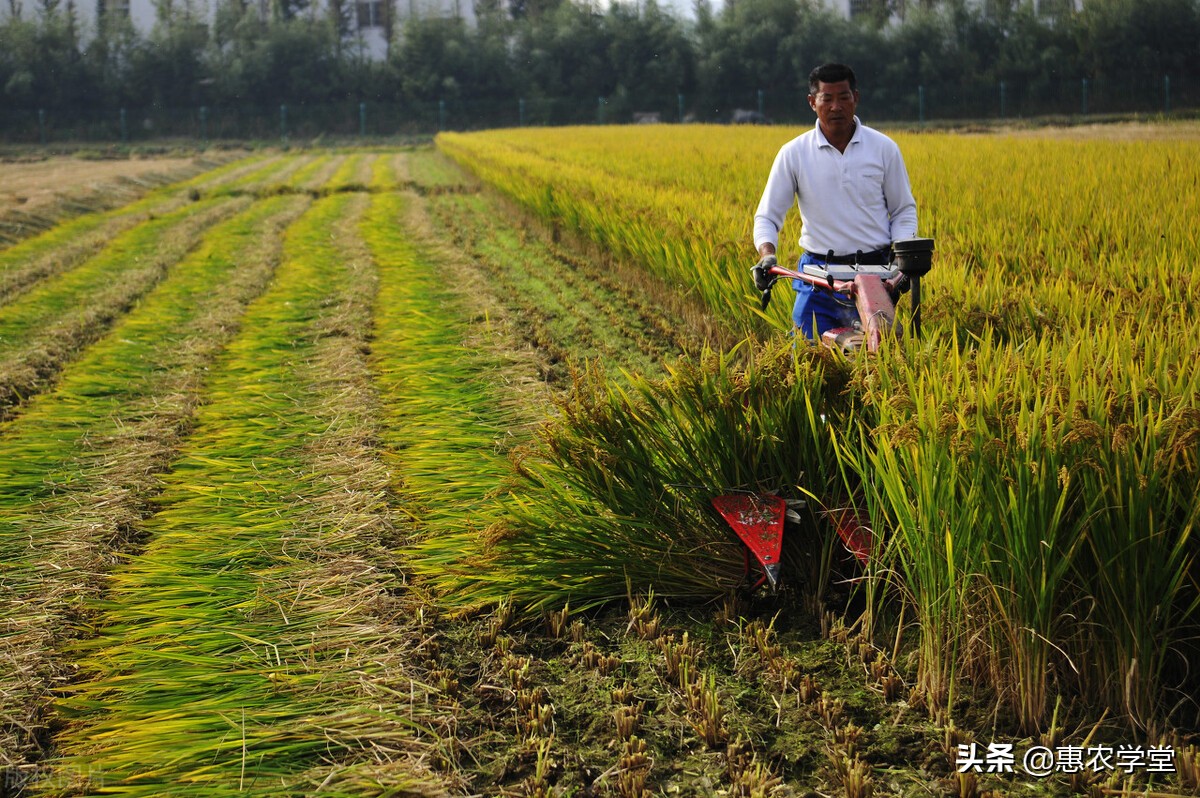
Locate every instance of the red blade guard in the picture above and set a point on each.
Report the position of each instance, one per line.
(854, 532)
(758, 521)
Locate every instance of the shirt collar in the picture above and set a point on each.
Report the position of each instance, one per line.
(824, 142)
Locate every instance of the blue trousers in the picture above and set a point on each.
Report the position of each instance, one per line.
(816, 311)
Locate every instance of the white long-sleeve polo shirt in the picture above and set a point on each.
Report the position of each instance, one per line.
(856, 200)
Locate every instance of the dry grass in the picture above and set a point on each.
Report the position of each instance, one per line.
(322, 445)
(34, 196)
(36, 185)
(1117, 131)
(40, 341)
(310, 585)
(109, 478)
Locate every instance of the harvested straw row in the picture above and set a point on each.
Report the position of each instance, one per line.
(357, 172)
(71, 243)
(389, 171)
(75, 200)
(272, 172)
(614, 494)
(245, 646)
(319, 173)
(349, 173)
(47, 326)
(444, 425)
(80, 466)
(570, 310)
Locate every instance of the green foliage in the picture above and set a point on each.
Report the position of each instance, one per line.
(1029, 468)
(222, 661)
(435, 58)
(639, 56)
(168, 68)
(40, 62)
(615, 493)
(1142, 38)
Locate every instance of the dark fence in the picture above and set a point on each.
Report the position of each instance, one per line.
(284, 122)
(1004, 100)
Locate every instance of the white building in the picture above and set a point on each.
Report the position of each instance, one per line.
(367, 17)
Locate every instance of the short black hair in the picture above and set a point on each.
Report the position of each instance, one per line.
(831, 73)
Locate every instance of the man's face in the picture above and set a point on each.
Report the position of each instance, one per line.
(835, 104)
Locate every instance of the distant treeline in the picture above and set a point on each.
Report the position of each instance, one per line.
(983, 58)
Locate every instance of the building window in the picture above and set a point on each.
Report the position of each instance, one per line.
(370, 13)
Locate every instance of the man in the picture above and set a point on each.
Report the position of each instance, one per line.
(853, 193)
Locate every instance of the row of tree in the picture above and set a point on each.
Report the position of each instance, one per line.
(967, 57)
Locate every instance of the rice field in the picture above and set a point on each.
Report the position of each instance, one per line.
(385, 472)
(1028, 467)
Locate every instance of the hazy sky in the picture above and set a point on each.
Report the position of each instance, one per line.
(681, 8)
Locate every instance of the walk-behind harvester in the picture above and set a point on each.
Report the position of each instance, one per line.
(759, 519)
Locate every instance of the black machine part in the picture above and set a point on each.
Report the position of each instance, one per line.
(913, 256)
(830, 271)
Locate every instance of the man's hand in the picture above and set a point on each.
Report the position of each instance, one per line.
(897, 286)
(761, 272)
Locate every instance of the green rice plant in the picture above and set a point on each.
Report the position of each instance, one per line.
(951, 538)
(1139, 551)
(47, 325)
(446, 428)
(240, 650)
(1037, 526)
(68, 244)
(614, 496)
(1019, 510)
(79, 467)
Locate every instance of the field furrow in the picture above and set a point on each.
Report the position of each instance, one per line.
(568, 308)
(319, 175)
(451, 415)
(69, 244)
(252, 646)
(48, 325)
(232, 172)
(267, 178)
(93, 196)
(397, 173)
(349, 472)
(310, 170)
(349, 168)
(80, 467)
